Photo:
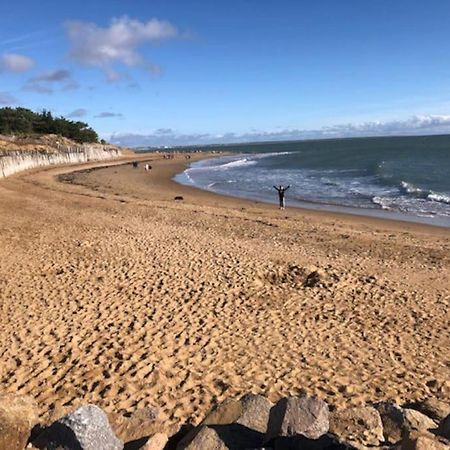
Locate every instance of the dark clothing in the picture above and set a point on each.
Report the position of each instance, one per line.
(281, 191)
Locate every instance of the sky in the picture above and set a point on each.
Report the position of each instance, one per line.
(162, 72)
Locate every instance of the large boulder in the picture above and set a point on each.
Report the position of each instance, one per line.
(141, 423)
(18, 415)
(222, 437)
(205, 438)
(434, 408)
(156, 442)
(423, 440)
(356, 426)
(416, 421)
(393, 421)
(251, 411)
(87, 428)
(292, 416)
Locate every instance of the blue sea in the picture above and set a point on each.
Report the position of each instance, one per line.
(405, 178)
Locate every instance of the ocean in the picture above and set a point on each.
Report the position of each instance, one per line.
(406, 178)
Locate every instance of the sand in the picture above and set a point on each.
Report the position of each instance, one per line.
(113, 293)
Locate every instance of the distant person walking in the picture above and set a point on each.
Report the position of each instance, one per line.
(281, 191)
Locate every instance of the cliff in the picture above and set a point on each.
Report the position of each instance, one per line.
(18, 154)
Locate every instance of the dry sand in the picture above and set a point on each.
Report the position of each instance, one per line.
(111, 292)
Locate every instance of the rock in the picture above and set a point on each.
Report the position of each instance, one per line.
(206, 438)
(142, 423)
(416, 421)
(251, 411)
(87, 428)
(156, 442)
(393, 421)
(433, 408)
(314, 278)
(222, 437)
(225, 413)
(420, 440)
(355, 426)
(306, 416)
(18, 415)
(444, 427)
(178, 198)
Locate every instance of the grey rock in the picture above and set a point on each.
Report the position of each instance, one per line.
(306, 416)
(87, 428)
(359, 426)
(251, 411)
(255, 412)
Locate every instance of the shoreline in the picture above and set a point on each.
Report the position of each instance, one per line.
(303, 205)
(167, 181)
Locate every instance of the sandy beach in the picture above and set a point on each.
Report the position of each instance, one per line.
(114, 293)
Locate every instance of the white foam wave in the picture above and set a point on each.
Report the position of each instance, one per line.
(382, 202)
(237, 163)
(441, 198)
(411, 189)
(425, 194)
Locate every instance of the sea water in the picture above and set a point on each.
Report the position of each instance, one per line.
(398, 177)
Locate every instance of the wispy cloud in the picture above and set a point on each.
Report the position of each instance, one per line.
(7, 99)
(119, 42)
(36, 87)
(106, 115)
(13, 62)
(47, 82)
(53, 75)
(77, 113)
(24, 37)
(416, 125)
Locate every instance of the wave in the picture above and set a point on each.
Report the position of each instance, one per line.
(237, 163)
(441, 198)
(425, 194)
(384, 203)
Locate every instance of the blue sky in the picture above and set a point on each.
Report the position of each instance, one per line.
(175, 72)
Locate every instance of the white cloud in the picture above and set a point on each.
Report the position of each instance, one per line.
(7, 99)
(416, 125)
(13, 62)
(118, 43)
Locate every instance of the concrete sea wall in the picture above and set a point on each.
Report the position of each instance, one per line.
(12, 162)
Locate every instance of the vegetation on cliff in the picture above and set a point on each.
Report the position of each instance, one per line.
(23, 121)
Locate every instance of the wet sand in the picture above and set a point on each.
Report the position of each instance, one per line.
(114, 293)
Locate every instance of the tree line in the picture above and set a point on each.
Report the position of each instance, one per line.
(22, 121)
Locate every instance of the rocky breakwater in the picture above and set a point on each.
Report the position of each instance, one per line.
(19, 155)
(251, 422)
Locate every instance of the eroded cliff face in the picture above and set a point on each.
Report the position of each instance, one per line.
(29, 156)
